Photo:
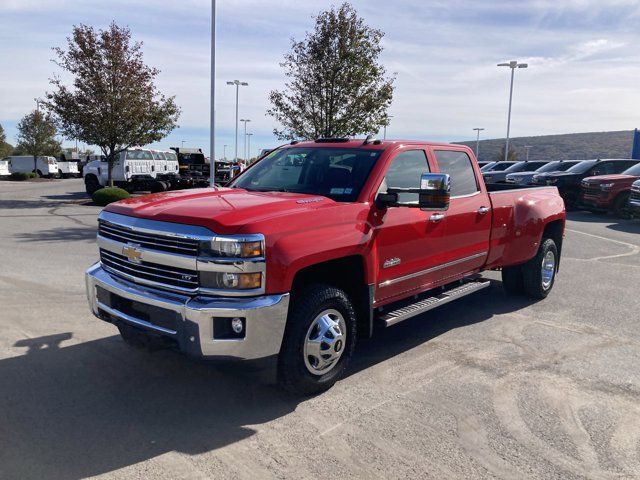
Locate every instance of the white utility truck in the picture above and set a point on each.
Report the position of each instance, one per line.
(43, 166)
(135, 169)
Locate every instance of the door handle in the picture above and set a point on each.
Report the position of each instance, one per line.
(483, 210)
(436, 217)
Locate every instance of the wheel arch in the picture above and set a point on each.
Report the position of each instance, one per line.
(349, 274)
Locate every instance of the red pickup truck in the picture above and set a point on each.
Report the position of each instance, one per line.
(314, 244)
(609, 192)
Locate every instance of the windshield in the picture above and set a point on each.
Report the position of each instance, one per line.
(517, 167)
(635, 170)
(337, 173)
(556, 167)
(499, 167)
(582, 166)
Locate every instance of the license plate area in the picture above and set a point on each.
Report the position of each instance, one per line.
(162, 317)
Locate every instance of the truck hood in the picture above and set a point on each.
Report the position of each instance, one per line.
(617, 178)
(222, 210)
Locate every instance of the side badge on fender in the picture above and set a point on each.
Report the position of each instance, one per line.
(390, 262)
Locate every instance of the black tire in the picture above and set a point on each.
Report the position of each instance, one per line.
(512, 280)
(307, 305)
(91, 184)
(621, 204)
(570, 200)
(532, 271)
(39, 174)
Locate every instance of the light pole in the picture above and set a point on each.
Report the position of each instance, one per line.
(527, 148)
(182, 143)
(386, 122)
(513, 64)
(237, 83)
(244, 152)
(212, 113)
(224, 155)
(477, 129)
(249, 146)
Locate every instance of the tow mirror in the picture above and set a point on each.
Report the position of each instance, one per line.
(433, 194)
(435, 191)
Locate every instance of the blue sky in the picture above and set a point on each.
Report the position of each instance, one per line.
(584, 58)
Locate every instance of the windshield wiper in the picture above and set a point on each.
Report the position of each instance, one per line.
(267, 189)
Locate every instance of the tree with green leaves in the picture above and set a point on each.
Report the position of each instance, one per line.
(5, 148)
(336, 86)
(113, 102)
(37, 136)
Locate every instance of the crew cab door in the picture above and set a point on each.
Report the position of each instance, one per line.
(408, 241)
(467, 222)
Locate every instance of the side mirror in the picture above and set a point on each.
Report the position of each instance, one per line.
(434, 194)
(435, 191)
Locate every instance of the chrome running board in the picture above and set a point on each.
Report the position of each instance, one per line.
(429, 303)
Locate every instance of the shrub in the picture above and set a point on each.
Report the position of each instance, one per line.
(108, 195)
(19, 176)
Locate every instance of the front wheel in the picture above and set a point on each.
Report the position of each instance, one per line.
(621, 204)
(91, 184)
(319, 340)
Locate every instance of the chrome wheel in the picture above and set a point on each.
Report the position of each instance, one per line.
(548, 269)
(325, 341)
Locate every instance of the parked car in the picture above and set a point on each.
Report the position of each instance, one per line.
(526, 177)
(68, 169)
(43, 166)
(569, 182)
(133, 169)
(4, 168)
(634, 198)
(311, 246)
(609, 192)
(493, 176)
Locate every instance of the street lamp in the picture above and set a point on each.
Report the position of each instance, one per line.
(182, 143)
(249, 147)
(237, 83)
(477, 129)
(212, 106)
(527, 148)
(386, 122)
(224, 155)
(244, 152)
(513, 64)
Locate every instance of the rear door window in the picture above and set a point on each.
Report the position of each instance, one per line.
(459, 167)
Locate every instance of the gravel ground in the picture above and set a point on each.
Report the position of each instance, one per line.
(487, 387)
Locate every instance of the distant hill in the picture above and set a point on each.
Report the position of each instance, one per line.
(562, 147)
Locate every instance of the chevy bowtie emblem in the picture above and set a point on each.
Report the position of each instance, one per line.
(133, 253)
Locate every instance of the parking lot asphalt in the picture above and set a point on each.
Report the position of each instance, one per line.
(491, 386)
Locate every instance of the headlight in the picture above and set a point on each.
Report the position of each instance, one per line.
(230, 247)
(230, 281)
(606, 186)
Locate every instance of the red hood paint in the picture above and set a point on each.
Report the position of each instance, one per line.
(616, 178)
(223, 210)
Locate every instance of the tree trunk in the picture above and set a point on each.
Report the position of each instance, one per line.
(35, 164)
(109, 170)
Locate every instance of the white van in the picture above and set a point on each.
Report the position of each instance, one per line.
(68, 169)
(44, 166)
(4, 168)
(134, 169)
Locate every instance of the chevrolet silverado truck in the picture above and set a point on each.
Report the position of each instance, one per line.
(312, 246)
(609, 192)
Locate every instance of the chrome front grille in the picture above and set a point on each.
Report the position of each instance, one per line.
(154, 274)
(154, 241)
(591, 190)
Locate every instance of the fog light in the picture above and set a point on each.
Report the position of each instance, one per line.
(236, 325)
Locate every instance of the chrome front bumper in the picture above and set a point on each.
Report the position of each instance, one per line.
(265, 317)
